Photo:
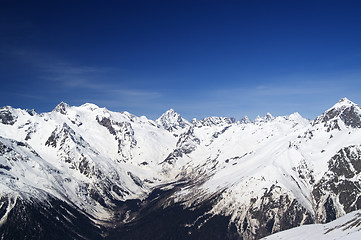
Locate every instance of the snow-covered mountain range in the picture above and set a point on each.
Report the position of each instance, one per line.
(89, 173)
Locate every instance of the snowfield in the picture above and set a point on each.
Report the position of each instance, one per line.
(343, 228)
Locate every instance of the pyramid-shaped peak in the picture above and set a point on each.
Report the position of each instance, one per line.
(171, 120)
(268, 116)
(344, 99)
(345, 110)
(343, 103)
(61, 108)
(295, 116)
(170, 115)
(171, 112)
(245, 120)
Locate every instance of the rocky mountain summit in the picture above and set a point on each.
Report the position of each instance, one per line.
(89, 173)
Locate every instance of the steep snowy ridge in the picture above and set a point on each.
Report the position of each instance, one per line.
(172, 121)
(268, 117)
(346, 111)
(115, 173)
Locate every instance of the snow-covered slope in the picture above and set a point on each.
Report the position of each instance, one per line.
(343, 228)
(113, 169)
(85, 155)
(276, 173)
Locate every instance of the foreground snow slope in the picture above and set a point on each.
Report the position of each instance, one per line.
(343, 228)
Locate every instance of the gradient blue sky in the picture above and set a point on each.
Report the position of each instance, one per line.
(202, 58)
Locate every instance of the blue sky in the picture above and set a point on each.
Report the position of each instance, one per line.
(202, 58)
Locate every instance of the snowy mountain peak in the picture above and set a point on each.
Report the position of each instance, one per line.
(31, 112)
(343, 103)
(296, 117)
(268, 117)
(345, 110)
(171, 121)
(61, 108)
(214, 121)
(171, 114)
(245, 120)
(7, 116)
(89, 106)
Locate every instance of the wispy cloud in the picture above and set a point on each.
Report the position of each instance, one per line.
(90, 83)
(56, 69)
(308, 94)
(281, 95)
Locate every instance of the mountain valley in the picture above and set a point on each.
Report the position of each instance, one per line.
(89, 173)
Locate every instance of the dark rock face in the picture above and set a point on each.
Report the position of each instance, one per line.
(107, 123)
(61, 138)
(52, 139)
(6, 116)
(351, 117)
(61, 108)
(330, 210)
(123, 132)
(186, 144)
(349, 113)
(156, 218)
(347, 162)
(61, 134)
(272, 213)
(11, 155)
(4, 149)
(31, 112)
(53, 219)
(339, 185)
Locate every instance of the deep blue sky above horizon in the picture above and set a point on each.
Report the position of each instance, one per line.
(202, 58)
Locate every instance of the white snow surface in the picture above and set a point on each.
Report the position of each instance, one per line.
(347, 227)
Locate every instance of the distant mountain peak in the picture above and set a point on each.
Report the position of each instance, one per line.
(298, 118)
(344, 99)
(343, 103)
(345, 110)
(171, 120)
(61, 108)
(268, 117)
(215, 121)
(90, 106)
(245, 120)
